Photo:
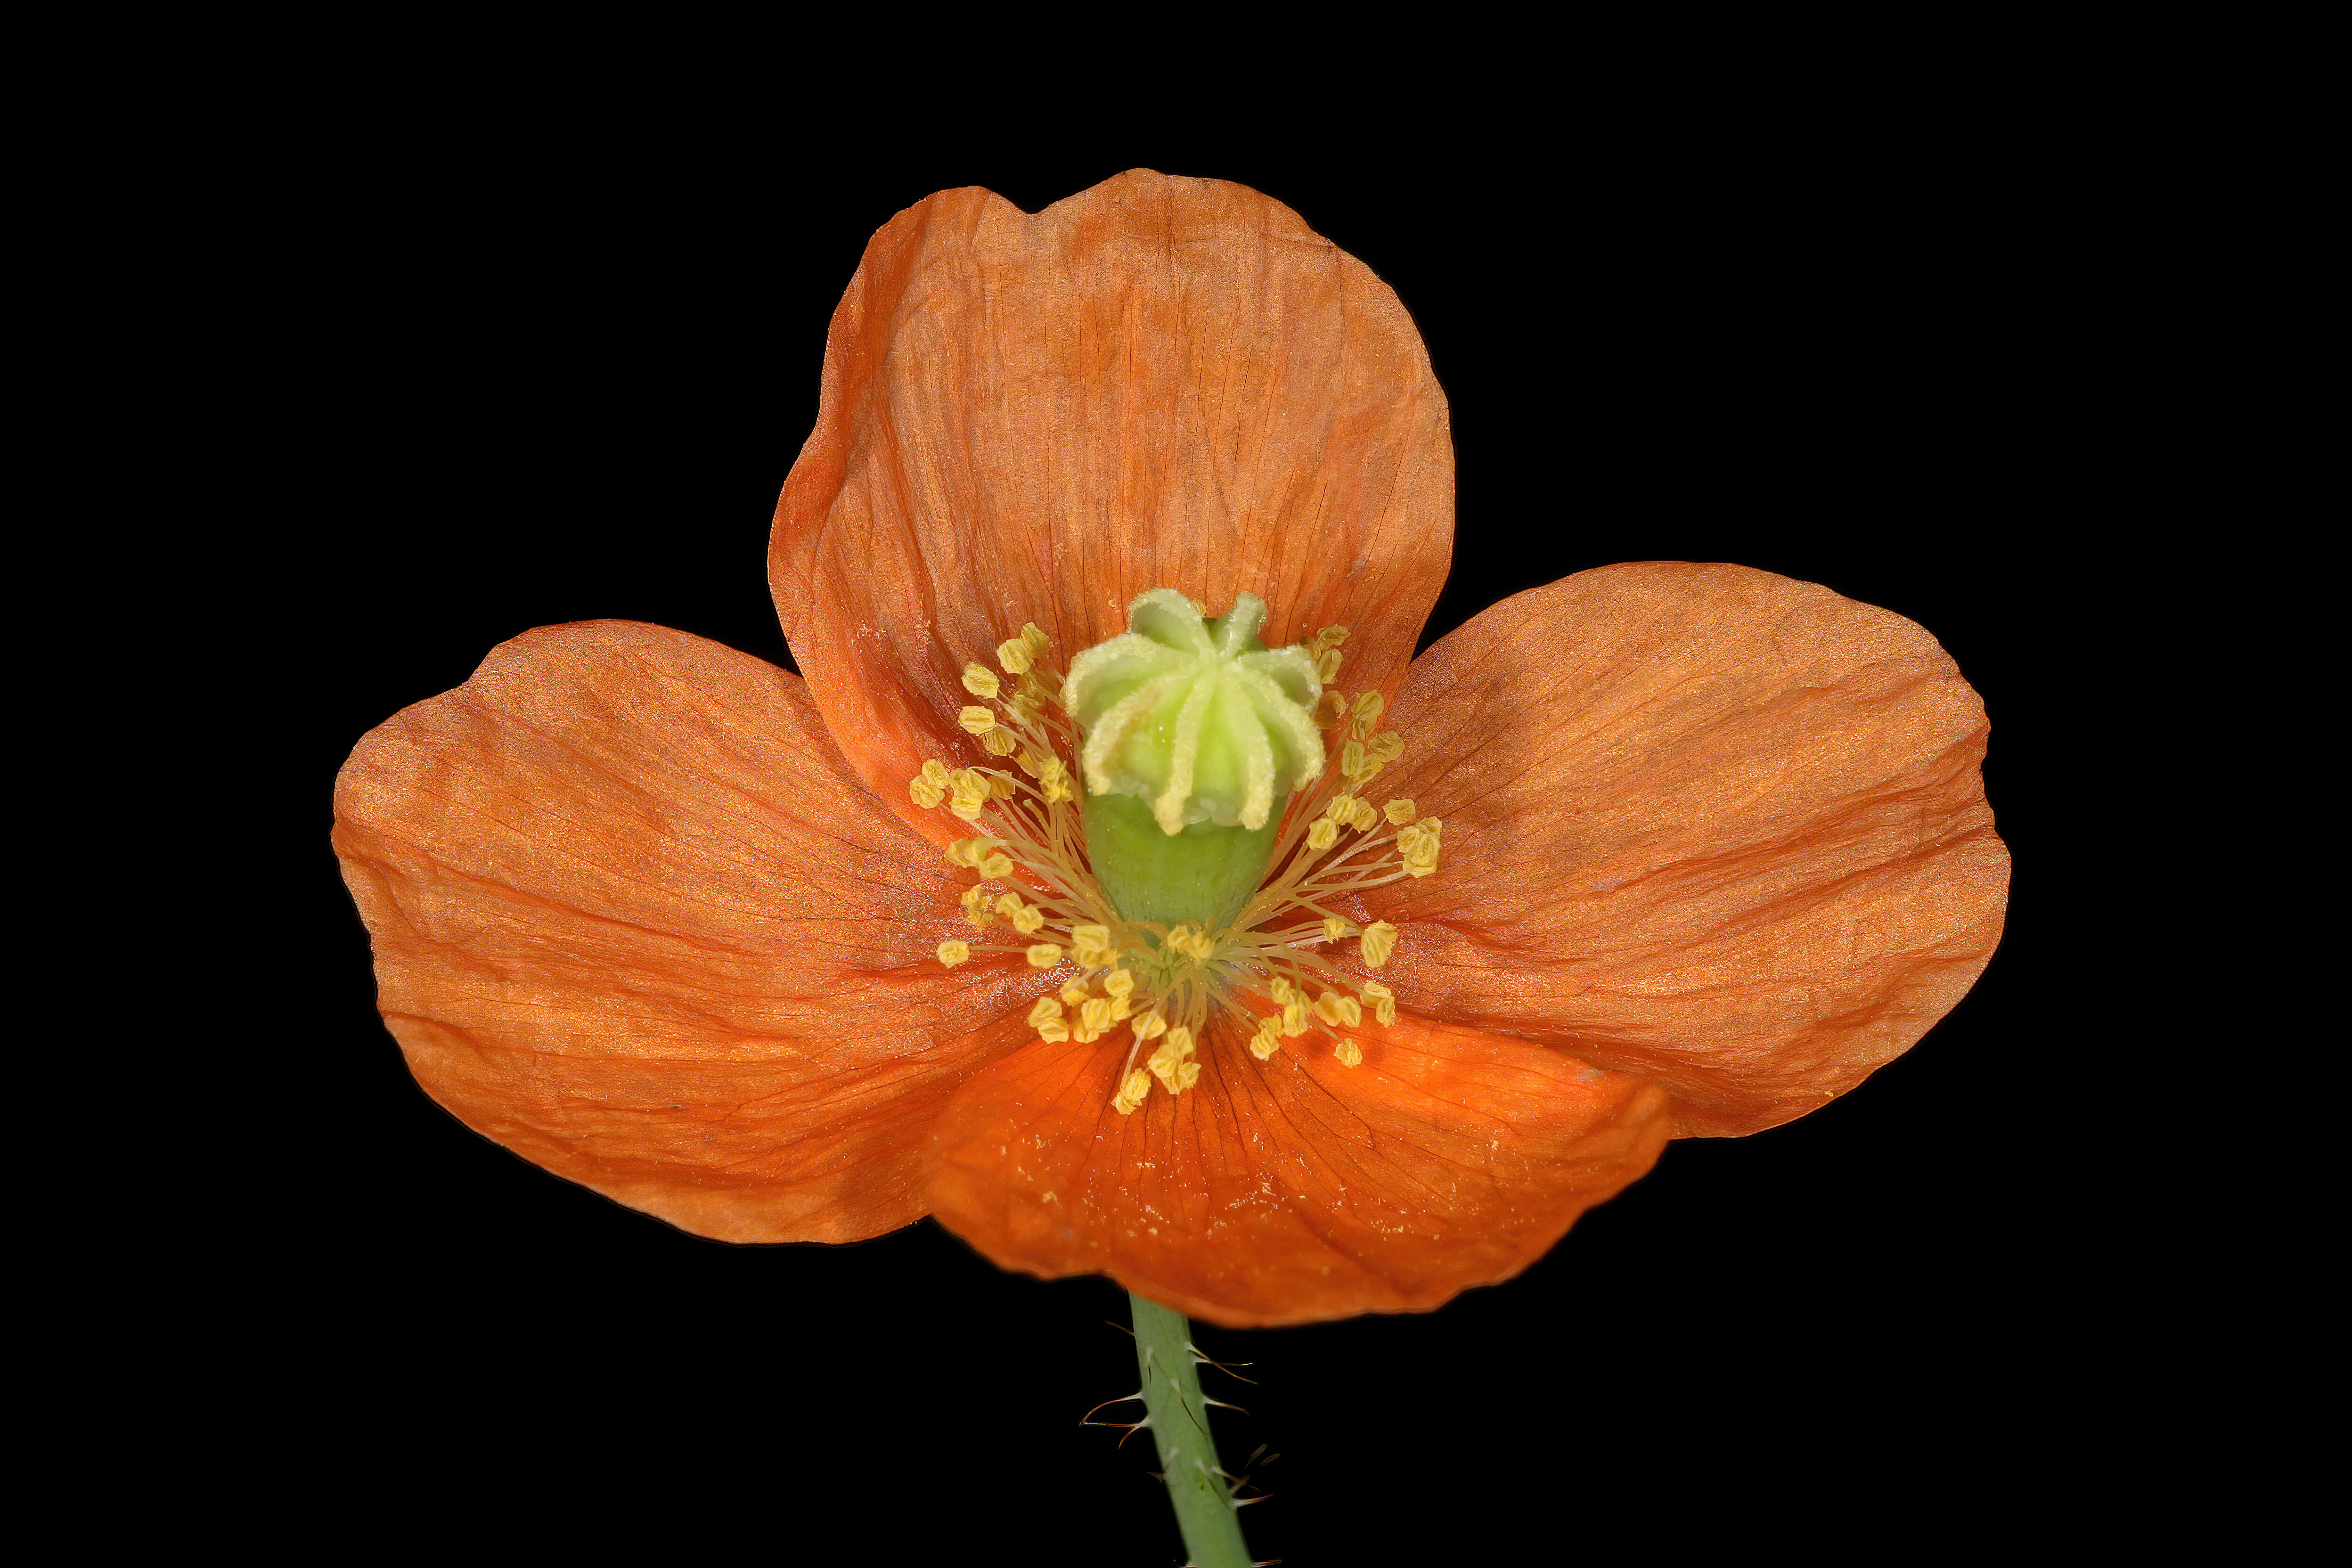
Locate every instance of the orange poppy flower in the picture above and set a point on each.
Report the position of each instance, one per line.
(666, 920)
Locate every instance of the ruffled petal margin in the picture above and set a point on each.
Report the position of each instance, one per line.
(1298, 1189)
(1706, 824)
(1156, 383)
(633, 920)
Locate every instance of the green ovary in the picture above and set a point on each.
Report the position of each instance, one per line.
(1201, 876)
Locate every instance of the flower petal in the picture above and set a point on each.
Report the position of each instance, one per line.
(1158, 382)
(634, 921)
(1702, 823)
(1296, 1189)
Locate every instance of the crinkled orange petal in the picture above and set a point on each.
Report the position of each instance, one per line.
(1296, 1189)
(1158, 382)
(634, 921)
(1701, 823)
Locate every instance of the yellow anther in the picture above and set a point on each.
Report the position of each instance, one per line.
(1090, 945)
(1013, 656)
(1197, 945)
(1000, 788)
(1164, 1063)
(1044, 956)
(1037, 641)
(1055, 779)
(1030, 762)
(1119, 982)
(980, 680)
(1045, 1017)
(1330, 637)
(1029, 919)
(1268, 1040)
(1363, 816)
(1334, 1008)
(1339, 807)
(1399, 811)
(1294, 1016)
(923, 791)
(1329, 709)
(963, 852)
(971, 793)
(1349, 1054)
(1008, 904)
(1149, 1025)
(1131, 1094)
(1351, 759)
(1417, 845)
(1073, 992)
(995, 865)
(1093, 1018)
(1336, 929)
(1120, 1006)
(1323, 835)
(976, 721)
(954, 952)
(1378, 941)
(1179, 1040)
(1382, 999)
(1278, 988)
(1326, 665)
(1388, 746)
(1001, 743)
(1186, 1077)
(1366, 718)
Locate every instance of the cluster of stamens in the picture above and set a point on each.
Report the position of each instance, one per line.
(1167, 982)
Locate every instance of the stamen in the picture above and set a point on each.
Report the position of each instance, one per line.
(1167, 982)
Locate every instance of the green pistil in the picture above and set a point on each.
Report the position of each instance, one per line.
(1201, 876)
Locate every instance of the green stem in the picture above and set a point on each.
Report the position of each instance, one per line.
(1179, 1425)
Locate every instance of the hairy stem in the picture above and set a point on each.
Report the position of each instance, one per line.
(1179, 1425)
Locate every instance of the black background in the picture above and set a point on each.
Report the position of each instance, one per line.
(550, 378)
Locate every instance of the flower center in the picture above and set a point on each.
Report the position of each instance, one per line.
(1198, 876)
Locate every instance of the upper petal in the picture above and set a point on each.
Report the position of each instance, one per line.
(1156, 383)
(1296, 1189)
(1702, 823)
(634, 921)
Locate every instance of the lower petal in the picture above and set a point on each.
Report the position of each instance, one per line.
(1297, 1189)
